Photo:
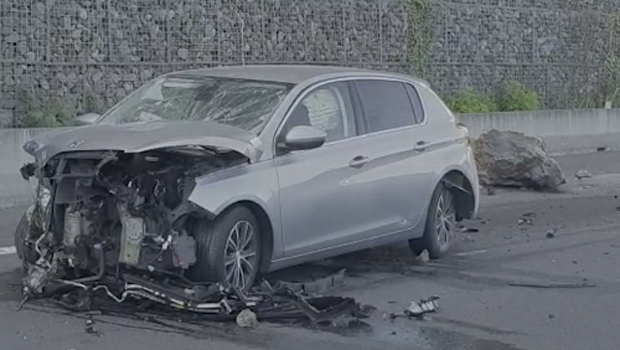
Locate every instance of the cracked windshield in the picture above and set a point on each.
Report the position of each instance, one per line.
(251, 174)
(241, 103)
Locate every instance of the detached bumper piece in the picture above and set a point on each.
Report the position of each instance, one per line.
(211, 301)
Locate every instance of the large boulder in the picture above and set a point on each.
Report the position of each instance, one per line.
(512, 159)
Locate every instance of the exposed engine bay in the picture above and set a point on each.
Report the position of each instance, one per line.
(123, 218)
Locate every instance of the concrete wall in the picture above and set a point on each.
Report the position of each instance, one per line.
(14, 190)
(564, 132)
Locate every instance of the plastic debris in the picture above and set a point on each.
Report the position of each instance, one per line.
(424, 257)
(314, 287)
(582, 174)
(424, 306)
(90, 329)
(552, 285)
(527, 219)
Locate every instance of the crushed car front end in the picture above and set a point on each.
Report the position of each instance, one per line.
(112, 211)
(119, 220)
(119, 225)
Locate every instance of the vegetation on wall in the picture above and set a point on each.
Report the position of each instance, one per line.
(50, 112)
(48, 117)
(56, 111)
(514, 98)
(518, 98)
(418, 36)
(610, 70)
(470, 101)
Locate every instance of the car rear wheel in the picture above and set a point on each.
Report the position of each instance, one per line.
(440, 224)
(228, 249)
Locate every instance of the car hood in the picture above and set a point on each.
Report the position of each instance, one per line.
(140, 137)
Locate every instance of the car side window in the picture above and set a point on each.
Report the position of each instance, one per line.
(328, 108)
(386, 104)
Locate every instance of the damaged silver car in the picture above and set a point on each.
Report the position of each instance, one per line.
(210, 177)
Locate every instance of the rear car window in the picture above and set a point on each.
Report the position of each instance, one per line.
(386, 104)
(416, 103)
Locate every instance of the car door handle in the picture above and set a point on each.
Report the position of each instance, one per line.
(359, 162)
(421, 146)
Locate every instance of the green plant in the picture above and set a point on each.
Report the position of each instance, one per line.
(48, 117)
(418, 36)
(609, 88)
(519, 98)
(610, 78)
(470, 101)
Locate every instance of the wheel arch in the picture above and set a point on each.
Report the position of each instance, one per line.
(465, 195)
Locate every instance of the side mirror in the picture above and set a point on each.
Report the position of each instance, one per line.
(303, 138)
(87, 119)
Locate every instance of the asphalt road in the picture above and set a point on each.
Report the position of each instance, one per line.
(481, 308)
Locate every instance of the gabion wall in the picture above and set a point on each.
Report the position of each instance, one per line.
(87, 54)
(554, 46)
(93, 52)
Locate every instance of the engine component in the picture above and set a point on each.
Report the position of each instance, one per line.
(131, 236)
(96, 211)
(36, 279)
(184, 248)
(73, 227)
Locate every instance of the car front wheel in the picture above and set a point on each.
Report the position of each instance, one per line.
(228, 249)
(440, 224)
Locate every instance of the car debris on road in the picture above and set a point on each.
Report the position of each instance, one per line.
(211, 302)
(552, 285)
(417, 309)
(424, 306)
(424, 257)
(527, 219)
(90, 329)
(583, 174)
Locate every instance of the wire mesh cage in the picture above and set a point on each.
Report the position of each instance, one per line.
(94, 52)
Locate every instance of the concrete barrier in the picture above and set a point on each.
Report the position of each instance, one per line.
(564, 132)
(14, 190)
(546, 123)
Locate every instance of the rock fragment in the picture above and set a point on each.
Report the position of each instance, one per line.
(513, 159)
(247, 319)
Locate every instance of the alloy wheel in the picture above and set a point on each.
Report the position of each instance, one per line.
(445, 219)
(240, 255)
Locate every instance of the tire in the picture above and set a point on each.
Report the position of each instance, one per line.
(436, 240)
(216, 256)
(21, 232)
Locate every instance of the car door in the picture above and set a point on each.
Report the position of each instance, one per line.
(399, 172)
(322, 204)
